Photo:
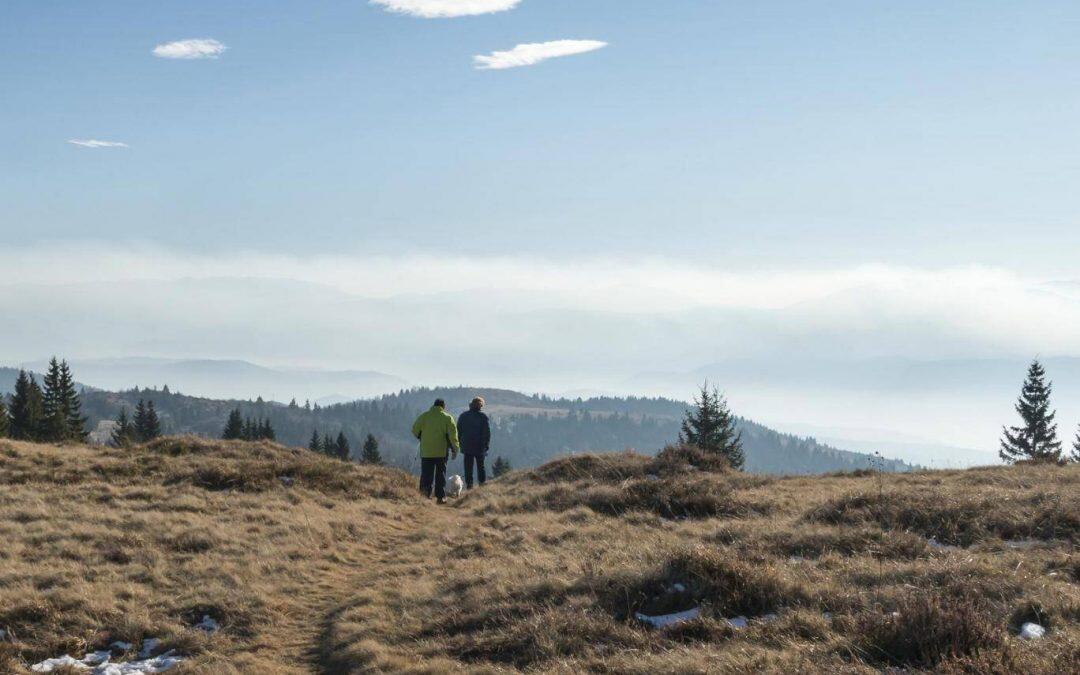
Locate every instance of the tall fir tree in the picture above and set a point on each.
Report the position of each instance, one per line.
(315, 444)
(710, 426)
(1076, 447)
(55, 420)
(4, 419)
(1036, 439)
(370, 454)
(71, 403)
(153, 423)
(251, 431)
(27, 409)
(501, 467)
(328, 446)
(123, 433)
(234, 426)
(266, 431)
(341, 447)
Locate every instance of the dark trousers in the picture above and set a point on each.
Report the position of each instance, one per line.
(433, 471)
(481, 474)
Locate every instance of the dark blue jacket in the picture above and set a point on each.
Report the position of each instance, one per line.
(474, 432)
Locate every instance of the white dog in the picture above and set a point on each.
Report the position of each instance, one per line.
(456, 485)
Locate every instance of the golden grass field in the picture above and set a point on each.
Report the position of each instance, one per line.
(314, 566)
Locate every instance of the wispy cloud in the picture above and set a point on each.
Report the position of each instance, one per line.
(444, 9)
(93, 143)
(533, 53)
(190, 49)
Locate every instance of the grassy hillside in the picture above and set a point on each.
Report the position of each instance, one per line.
(311, 566)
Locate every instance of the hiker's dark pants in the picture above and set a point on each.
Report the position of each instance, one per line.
(481, 474)
(433, 471)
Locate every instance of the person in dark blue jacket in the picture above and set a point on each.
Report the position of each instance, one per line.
(474, 430)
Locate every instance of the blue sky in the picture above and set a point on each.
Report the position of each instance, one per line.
(810, 133)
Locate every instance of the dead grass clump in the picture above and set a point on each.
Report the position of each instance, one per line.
(676, 458)
(815, 543)
(604, 468)
(959, 519)
(923, 632)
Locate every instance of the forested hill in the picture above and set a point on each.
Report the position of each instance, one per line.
(527, 430)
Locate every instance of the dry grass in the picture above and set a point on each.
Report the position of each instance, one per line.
(313, 566)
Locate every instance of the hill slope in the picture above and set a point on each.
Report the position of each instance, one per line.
(311, 566)
(528, 430)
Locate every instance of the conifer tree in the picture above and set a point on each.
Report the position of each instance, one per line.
(1076, 447)
(139, 423)
(371, 454)
(55, 420)
(250, 430)
(315, 444)
(27, 409)
(328, 446)
(234, 426)
(341, 447)
(710, 426)
(1036, 439)
(147, 424)
(266, 430)
(501, 467)
(4, 419)
(124, 433)
(71, 403)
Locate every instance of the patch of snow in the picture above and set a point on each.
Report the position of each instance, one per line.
(97, 663)
(796, 559)
(651, 477)
(827, 615)
(122, 646)
(287, 481)
(739, 622)
(148, 647)
(208, 624)
(678, 588)
(665, 620)
(1032, 631)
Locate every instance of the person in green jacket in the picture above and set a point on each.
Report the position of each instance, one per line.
(438, 436)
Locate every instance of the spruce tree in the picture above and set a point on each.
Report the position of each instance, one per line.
(153, 424)
(123, 434)
(139, 422)
(1076, 447)
(250, 430)
(27, 409)
(4, 419)
(1037, 438)
(315, 444)
(501, 467)
(266, 430)
(371, 454)
(234, 426)
(341, 447)
(53, 423)
(71, 403)
(710, 426)
(328, 446)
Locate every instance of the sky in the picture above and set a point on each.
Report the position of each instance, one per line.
(583, 190)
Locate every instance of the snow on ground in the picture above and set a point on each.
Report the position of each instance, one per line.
(938, 546)
(1032, 631)
(665, 620)
(100, 662)
(739, 622)
(208, 624)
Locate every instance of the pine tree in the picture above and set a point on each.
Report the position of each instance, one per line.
(266, 430)
(1037, 438)
(315, 445)
(147, 424)
(4, 419)
(371, 454)
(250, 430)
(124, 433)
(71, 403)
(234, 426)
(341, 447)
(710, 426)
(328, 446)
(54, 427)
(501, 467)
(27, 409)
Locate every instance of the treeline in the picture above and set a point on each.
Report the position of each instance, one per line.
(144, 427)
(50, 412)
(239, 428)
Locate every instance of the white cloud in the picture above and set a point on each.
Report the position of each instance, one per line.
(92, 143)
(531, 54)
(190, 49)
(443, 9)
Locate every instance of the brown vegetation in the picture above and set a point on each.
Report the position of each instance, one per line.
(314, 566)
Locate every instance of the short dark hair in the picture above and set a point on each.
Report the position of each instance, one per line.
(440, 403)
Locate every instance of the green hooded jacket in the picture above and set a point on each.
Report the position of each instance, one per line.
(437, 431)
